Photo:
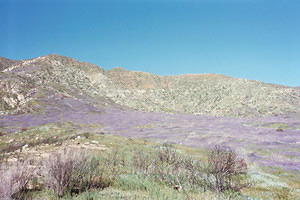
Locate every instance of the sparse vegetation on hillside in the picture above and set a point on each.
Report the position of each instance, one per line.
(205, 94)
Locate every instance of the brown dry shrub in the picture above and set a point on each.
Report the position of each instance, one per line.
(225, 170)
(74, 171)
(15, 178)
(58, 169)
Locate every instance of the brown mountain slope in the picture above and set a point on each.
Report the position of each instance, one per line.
(205, 94)
(5, 63)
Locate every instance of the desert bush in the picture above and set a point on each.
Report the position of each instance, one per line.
(178, 171)
(115, 162)
(59, 168)
(168, 166)
(143, 162)
(15, 178)
(225, 170)
(94, 172)
(165, 165)
(167, 154)
(85, 175)
(72, 171)
(194, 172)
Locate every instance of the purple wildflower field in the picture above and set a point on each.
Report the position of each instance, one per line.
(259, 138)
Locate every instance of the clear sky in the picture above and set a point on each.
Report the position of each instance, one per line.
(253, 39)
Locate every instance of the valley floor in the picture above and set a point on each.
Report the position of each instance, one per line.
(271, 145)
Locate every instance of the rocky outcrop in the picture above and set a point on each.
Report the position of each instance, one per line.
(15, 91)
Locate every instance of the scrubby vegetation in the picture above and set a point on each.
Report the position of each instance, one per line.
(75, 172)
(156, 171)
(15, 178)
(226, 169)
(103, 166)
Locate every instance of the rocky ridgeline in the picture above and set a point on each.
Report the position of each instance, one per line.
(205, 94)
(5, 63)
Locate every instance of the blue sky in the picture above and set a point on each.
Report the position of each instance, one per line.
(253, 39)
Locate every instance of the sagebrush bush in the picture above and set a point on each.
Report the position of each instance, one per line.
(85, 175)
(168, 166)
(72, 171)
(143, 162)
(59, 168)
(225, 170)
(167, 154)
(95, 172)
(14, 179)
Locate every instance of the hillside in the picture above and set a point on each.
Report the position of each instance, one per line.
(54, 102)
(5, 63)
(26, 83)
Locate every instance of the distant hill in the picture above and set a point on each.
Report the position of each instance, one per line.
(26, 85)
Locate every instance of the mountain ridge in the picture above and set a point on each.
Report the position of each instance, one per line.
(119, 69)
(204, 94)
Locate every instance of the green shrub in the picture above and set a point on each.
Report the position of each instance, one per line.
(165, 165)
(225, 171)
